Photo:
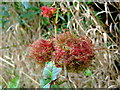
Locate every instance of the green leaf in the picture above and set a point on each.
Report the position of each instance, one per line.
(80, 0)
(55, 72)
(44, 83)
(46, 3)
(89, 2)
(4, 22)
(47, 73)
(55, 86)
(51, 71)
(108, 44)
(45, 21)
(62, 18)
(29, 14)
(88, 73)
(14, 83)
(27, 5)
(5, 13)
(0, 85)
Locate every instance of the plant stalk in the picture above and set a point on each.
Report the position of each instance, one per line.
(66, 76)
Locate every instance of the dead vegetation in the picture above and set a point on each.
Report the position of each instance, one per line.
(83, 21)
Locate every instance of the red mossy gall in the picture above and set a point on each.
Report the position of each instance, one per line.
(73, 51)
(41, 50)
(68, 49)
(47, 12)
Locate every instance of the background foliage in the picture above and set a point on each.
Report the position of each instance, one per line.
(22, 24)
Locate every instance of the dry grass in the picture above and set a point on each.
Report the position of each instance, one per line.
(15, 39)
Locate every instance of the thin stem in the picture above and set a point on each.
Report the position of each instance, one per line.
(55, 25)
(72, 82)
(66, 76)
(5, 81)
(104, 49)
(31, 78)
(55, 31)
(65, 71)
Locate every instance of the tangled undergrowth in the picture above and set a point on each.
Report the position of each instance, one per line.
(22, 25)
